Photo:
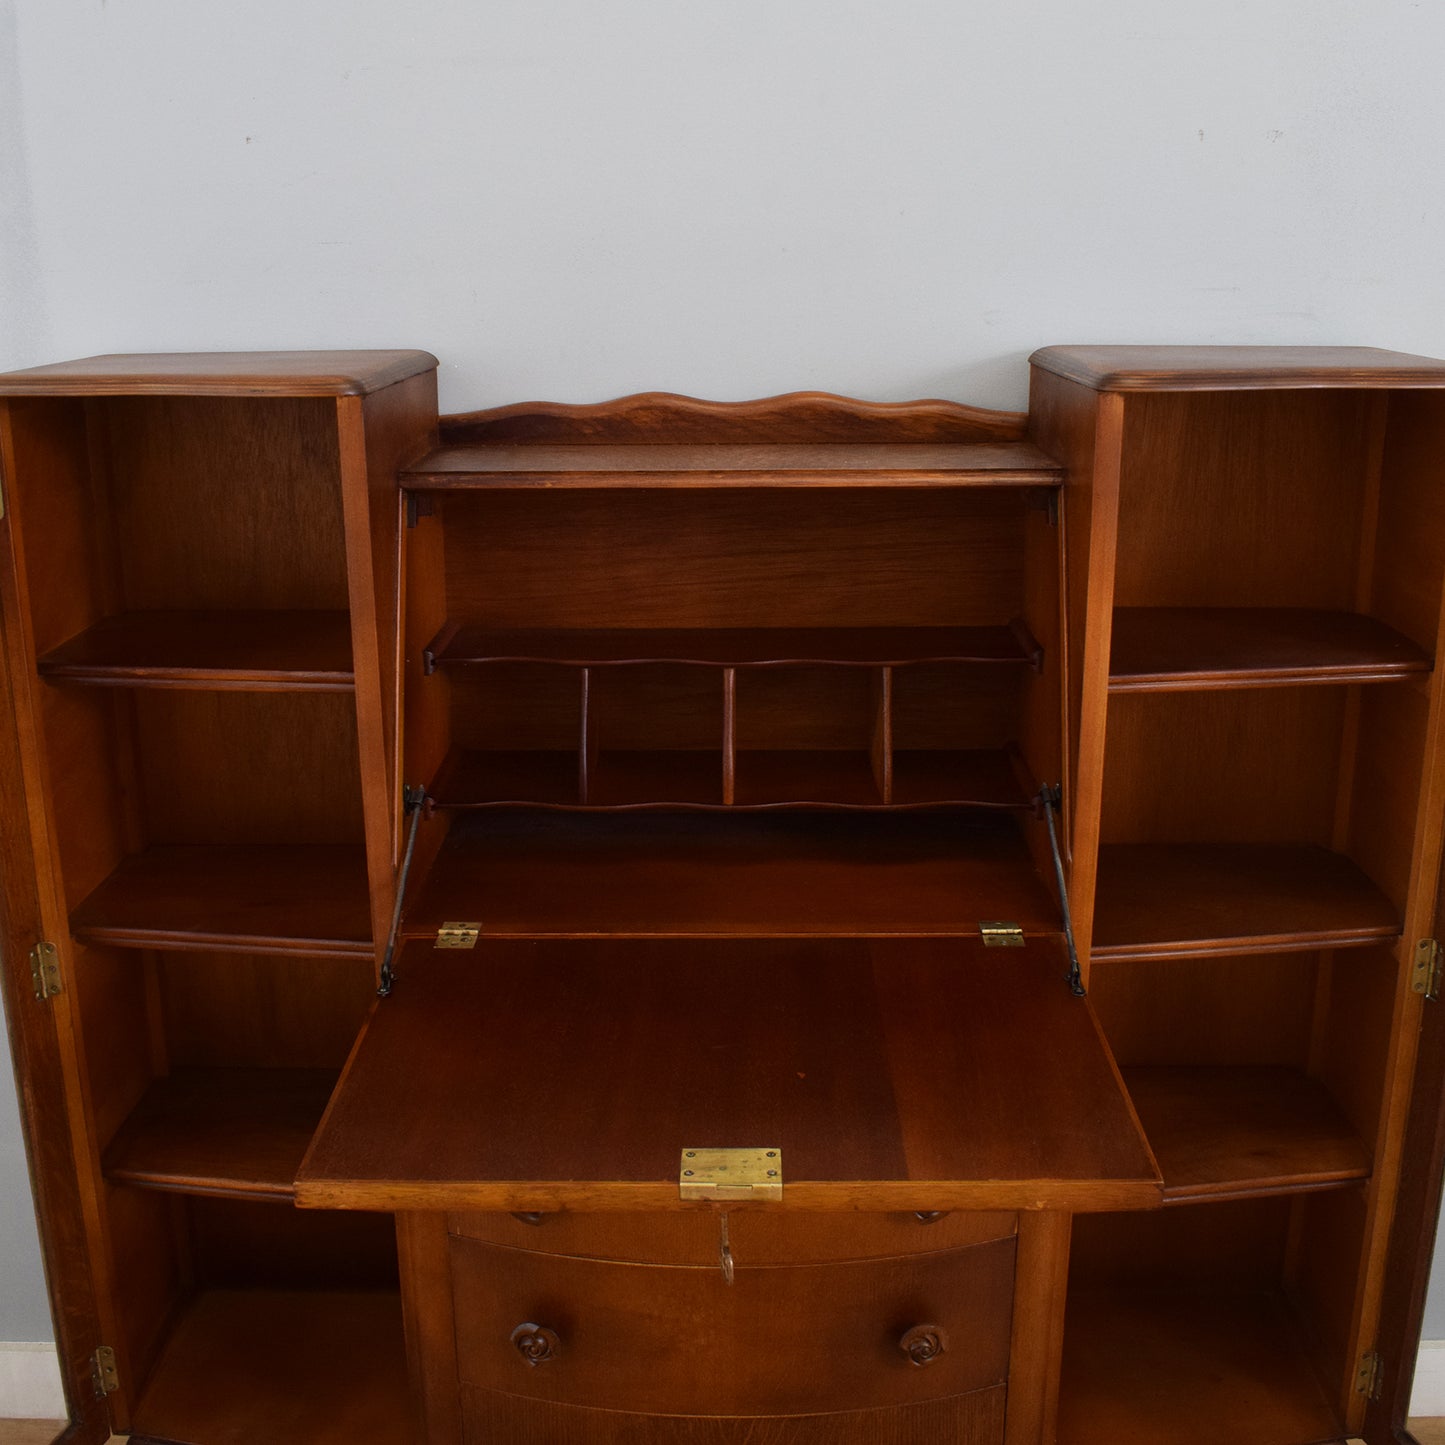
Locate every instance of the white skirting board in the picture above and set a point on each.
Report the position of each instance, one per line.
(1428, 1396)
(30, 1383)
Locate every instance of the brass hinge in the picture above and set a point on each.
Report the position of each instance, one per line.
(1425, 972)
(458, 935)
(103, 1371)
(1370, 1381)
(1001, 935)
(730, 1174)
(45, 970)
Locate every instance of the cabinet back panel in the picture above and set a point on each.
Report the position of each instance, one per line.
(227, 502)
(656, 706)
(739, 559)
(829, 708)
(515, 705)
(940, 706)
(1410, 540)
(1385, 792)
(1255, 766)
(1224, 1011)
(1241, 499)
(227, 1010)
(242, 1244)
(1238, 1245)
(249, 767)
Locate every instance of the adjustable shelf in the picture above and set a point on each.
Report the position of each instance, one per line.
(1162, 900)
(1177, 649)
(327, 1367)
(534, 874)
(1223, 1133)
(250, 651)
(899, 464)
(284, 899)
(457, 646)
(235, 1133)
(1190, 1367)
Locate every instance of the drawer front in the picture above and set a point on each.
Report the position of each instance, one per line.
(758, 1236)
(778, 1340)
(974, 1419)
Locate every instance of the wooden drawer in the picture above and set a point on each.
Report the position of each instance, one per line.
(490, 1417)
(779, 1340)
(758, 1237)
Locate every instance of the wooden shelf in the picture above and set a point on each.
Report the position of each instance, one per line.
(238, 1133)
(719, 874)
(1175, 649)
(323, 1367)
(1188, 1367)
(1160, 900)
(664, 779)
(285, 899)
(893, 1074)
(734, 647)
(899, 464)
(1223, 1133)
(293, 651)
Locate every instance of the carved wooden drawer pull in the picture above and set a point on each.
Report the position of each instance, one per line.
(536, 1343)
(923, 1344)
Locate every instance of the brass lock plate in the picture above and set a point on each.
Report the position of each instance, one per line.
(722, 1174)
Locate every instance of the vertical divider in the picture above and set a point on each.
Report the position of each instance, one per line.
(587, 738)
(730, 734)
(881, 749)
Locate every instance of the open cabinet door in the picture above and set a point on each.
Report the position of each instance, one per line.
(889, 1074)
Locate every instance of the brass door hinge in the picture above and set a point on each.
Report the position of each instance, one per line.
(1370, 1381)
(103, 1371)
(721, 1174)
(45, 970)
(1001, 935)
(1425, 972)
(458, 935)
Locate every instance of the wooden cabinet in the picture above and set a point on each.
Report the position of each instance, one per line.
(421, 832)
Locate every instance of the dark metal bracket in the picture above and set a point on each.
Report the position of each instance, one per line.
(1050, 798)
(413, 800)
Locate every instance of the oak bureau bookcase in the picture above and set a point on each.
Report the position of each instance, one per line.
(756, 923)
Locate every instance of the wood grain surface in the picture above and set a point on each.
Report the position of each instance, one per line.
(922, 1074)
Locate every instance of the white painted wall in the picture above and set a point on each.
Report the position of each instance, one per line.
(580, 198)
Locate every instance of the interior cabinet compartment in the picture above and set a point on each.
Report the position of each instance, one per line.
(209, 819)
(811, 735)
(655, 734)
(770, 873)
(954, 736)
(1256, 1074)
(193, 541)
(304, 1310)
(1268, 537)
(1212, 1322)
(516, 736)
(1240, 821)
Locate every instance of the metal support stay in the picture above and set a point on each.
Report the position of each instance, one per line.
(1051, 796)
(412, 799)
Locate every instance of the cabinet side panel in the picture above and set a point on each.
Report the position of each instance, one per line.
(1084, 431)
